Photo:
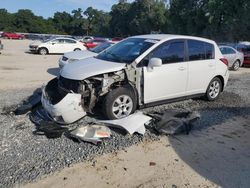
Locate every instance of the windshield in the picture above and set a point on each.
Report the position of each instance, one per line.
(127, 51)
(101, 47)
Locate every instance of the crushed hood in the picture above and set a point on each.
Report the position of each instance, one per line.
(79, 54)
(86, 68)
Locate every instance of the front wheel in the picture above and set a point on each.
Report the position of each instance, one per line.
(77, 49)
(119, 103)
(43, 51)
(214, 89)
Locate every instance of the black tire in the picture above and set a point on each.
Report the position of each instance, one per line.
(214, 90)
(43, 51)
(109, 103)
(236, 65)
(77, 49)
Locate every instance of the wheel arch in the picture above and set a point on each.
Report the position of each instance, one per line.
(222, 81)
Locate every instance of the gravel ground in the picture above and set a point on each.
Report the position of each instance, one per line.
(26, 156)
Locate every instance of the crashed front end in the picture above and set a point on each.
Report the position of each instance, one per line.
(66, 100)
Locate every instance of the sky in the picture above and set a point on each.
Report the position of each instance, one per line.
(47, 8)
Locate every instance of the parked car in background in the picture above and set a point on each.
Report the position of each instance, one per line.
(1, 45)
(93, 43)
(140, 71)
(57, 45)
(117, 39)
(235, 58)
(71, 57)
(86, 39)
(12, 36)
(244, 47)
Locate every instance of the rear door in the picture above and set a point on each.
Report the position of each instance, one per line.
(55, 46)
(169, 80)
(69, 45)
(201, 66)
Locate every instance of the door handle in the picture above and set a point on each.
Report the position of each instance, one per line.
(181, 68)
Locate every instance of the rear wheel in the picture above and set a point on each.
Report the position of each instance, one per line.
(43, 51)
(119, 103)
(236, 65)
(214, 89)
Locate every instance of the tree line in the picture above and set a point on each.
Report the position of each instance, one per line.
(221, 20)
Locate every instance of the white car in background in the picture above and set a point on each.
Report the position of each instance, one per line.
(138, 72)
(57, 45)
(71, 57)
(235, 58)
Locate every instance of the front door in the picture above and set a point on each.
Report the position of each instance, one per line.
(169, 80)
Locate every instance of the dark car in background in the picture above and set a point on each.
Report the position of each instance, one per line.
(1, 45)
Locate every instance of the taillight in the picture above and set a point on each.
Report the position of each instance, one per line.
(225, 61)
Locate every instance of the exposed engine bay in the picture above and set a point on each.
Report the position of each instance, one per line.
(67, 100)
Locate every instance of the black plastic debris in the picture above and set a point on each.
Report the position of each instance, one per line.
(30, 103)
(45, 126)
(173, 122)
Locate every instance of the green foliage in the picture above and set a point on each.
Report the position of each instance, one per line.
(217, 19)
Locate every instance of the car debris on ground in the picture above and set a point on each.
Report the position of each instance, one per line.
(133, 123)
(91, 133)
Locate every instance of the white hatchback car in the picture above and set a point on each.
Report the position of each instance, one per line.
(57, 45)
(137, 72)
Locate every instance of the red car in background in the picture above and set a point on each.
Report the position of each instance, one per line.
(93, 43)
(12, 36)
(116, 39)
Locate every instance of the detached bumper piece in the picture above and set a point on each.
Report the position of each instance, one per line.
(63, 109)
(91, 133)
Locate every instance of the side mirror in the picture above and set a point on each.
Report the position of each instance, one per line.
(154, 62)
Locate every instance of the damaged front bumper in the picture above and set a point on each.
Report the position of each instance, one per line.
(66, 111)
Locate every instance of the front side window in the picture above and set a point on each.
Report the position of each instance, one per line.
(126, 51)
(170, 52)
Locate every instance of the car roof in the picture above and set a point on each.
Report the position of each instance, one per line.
(62, 38)
(224, 46)
(170, 36)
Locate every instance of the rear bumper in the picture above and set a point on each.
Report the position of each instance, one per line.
(66, 111)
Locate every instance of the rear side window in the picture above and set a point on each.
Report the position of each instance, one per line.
(68, 41)
(230, 51)
(170, 52)
(209, 50)
(198, 50)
